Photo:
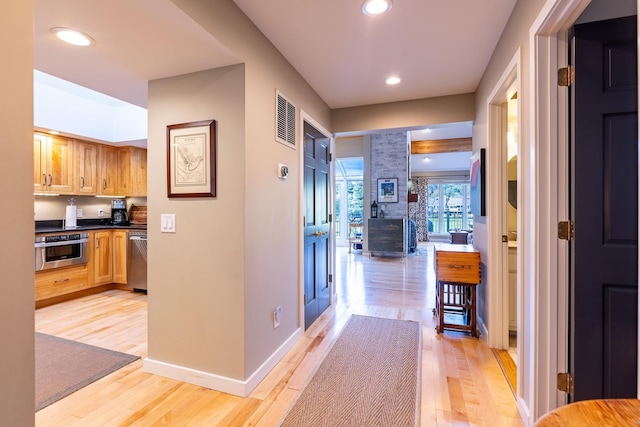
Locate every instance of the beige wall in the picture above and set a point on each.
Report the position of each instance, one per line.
(196, 278)
(215, 283)
(351, 146)
(17, 393)
(407, 114)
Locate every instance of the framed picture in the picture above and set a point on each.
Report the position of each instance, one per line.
(191, 159)
(387, 190)
(477, 180)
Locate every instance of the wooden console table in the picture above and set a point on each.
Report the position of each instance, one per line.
(457, 276)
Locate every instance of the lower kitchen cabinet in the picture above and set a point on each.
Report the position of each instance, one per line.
(120, 240)
(101, 257)
(107, 264)
(61, 281)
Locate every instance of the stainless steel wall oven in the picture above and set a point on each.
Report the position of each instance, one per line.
(60, 250)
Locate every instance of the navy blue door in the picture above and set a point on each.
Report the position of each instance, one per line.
(604, 289)
(317, 226)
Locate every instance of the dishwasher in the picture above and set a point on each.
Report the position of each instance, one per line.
(137, 261)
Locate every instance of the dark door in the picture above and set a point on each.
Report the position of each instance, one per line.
(316, 224)
(605, 211)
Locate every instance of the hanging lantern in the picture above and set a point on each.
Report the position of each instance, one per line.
(374, 210)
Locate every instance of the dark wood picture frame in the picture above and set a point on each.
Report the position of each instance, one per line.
(191, 159)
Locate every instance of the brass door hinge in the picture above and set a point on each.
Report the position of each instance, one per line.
(565, 382)
(331, 278)
(566, 230)
(566, 76)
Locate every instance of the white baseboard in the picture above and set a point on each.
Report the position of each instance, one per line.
(217, 382)
(484, 332)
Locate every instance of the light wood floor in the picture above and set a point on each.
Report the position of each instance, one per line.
(462, 383)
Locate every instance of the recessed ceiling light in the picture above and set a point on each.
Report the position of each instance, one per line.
(376, 7)
(394, 80)
(73, 37)
(54, 132)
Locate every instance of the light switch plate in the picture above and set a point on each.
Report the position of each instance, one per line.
(168, 223)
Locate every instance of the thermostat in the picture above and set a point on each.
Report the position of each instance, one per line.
(283, 171)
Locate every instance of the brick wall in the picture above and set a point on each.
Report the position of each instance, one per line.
(389, 159)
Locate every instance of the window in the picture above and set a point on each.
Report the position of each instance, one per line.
(448, 207)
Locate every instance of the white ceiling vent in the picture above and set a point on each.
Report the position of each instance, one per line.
(285, 121)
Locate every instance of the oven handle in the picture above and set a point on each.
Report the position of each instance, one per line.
(62, 243)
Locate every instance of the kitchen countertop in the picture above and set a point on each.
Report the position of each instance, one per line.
(56, 226)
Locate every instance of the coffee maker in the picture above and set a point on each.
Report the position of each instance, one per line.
(119, 212)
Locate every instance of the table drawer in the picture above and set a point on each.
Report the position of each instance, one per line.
(462, 267)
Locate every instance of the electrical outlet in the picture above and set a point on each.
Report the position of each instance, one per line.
(100, 213)
(277, 314)
(78, 213)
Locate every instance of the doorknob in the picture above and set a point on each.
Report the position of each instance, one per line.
(319, 233)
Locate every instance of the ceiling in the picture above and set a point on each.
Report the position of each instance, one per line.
(437, 47)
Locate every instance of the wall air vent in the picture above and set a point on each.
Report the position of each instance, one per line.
(285, 121)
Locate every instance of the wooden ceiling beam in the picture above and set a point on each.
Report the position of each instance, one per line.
(452, 145)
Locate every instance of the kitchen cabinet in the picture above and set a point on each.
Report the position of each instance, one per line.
(67, 166)
(120, 240)
(54, 164)
(87, 168)
(53, 283)
(101, 257)
(107, 170)
(132, 171)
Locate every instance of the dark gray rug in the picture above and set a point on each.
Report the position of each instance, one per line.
(64, 366)
(371, 377)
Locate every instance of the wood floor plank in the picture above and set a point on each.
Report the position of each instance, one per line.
(461, 381)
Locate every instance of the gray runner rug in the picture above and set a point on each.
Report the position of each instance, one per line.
(370, 377)
(64, 366)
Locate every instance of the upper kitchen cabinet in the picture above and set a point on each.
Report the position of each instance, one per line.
(87, 168)
(108, 170)
(53, 164)
(132, 171)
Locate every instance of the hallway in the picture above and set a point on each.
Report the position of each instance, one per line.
(462, 383)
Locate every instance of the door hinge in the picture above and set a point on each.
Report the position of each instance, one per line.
(566, 76)
(330, 157)
(330, 218)
(566, 230)
(331, 278)
(565, 382)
